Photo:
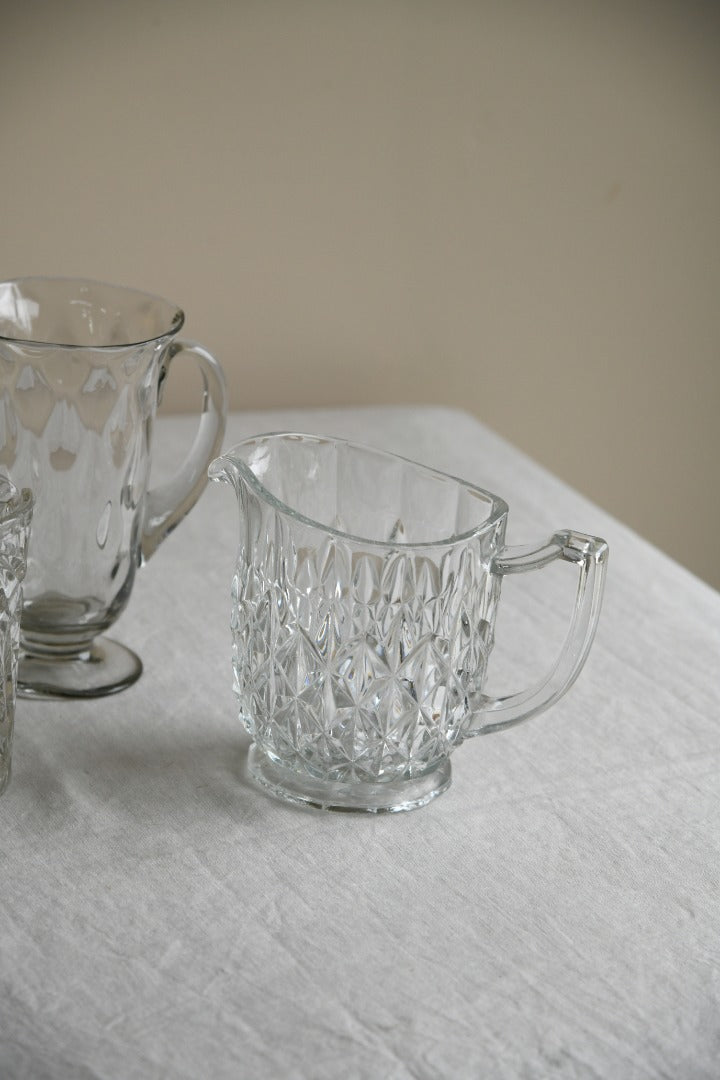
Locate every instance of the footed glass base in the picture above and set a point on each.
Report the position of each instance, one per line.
(388, 798)
(105, 667)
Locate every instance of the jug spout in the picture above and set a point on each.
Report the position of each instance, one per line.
(225, 468)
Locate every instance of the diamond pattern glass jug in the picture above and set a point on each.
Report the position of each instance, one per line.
(363, 612)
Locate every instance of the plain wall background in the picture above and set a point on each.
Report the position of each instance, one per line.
(513, 207)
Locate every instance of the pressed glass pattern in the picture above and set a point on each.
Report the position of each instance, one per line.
(363, 608)
(15, 515)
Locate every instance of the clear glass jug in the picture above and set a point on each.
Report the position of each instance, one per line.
(15, 516)
(363, 612)
(81, 368)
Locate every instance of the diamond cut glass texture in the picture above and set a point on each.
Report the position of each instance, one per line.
(359, 660)
(15, 514)
(364, 603)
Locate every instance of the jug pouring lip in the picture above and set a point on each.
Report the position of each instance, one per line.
(233, 467)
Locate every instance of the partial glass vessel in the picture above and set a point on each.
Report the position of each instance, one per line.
(81, 369)
(15, 515)
(363, 612)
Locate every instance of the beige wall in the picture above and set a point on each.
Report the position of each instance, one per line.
(510, 206)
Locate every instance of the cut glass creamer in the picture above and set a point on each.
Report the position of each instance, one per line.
(363, 608)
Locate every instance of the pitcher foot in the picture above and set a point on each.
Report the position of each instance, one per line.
(372, 798)
(105, 667)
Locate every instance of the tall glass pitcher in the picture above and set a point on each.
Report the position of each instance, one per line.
(81, 367)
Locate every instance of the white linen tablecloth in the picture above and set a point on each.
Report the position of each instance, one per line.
(555, 914)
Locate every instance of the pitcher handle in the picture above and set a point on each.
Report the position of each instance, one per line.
(167, 505)
(589, 553)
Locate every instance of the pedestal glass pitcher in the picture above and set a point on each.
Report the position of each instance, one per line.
(81, 367)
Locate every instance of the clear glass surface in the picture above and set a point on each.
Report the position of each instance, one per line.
(363, 613)
(81, 366)
(15, 515)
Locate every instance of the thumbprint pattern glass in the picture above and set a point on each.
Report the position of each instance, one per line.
(82, 366)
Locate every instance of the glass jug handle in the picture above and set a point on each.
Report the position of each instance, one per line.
(167, 505)
(589, 554)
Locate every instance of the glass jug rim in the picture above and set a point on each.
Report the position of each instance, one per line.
(175, 320)
(498, 506)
